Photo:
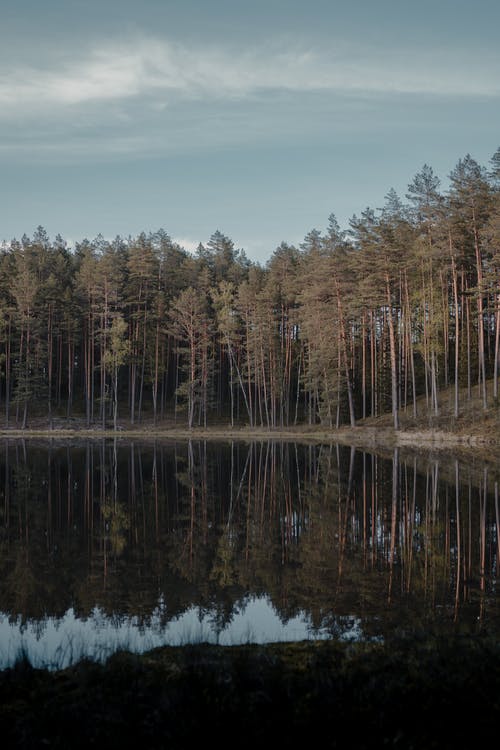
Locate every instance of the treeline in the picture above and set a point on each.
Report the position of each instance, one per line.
(350, 324)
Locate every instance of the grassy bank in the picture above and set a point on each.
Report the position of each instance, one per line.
(369, 434)
(422, 694)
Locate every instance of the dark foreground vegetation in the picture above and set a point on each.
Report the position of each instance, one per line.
(439, 693)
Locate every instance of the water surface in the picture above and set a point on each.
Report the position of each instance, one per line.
(116, 544)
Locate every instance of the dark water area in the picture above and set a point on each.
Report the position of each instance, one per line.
(109, 544)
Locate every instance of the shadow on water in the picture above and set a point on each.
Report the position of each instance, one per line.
(106, 545)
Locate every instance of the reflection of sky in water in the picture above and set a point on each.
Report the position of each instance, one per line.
(58, 642)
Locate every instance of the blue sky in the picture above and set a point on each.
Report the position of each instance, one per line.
(259, 119)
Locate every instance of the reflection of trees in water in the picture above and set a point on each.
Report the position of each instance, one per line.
(326, 530)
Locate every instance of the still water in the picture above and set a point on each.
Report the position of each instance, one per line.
(115, 544)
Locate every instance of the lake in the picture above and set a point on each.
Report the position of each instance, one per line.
(110, 544)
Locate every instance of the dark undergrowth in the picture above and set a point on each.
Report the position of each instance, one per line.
(418, 694)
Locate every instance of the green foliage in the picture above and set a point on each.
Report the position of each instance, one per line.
(347, 324)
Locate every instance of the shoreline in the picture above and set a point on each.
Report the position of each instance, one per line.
(360, 436)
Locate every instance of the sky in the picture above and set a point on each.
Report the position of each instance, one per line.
(257, 119)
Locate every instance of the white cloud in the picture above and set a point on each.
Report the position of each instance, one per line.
(160, 69)
(188, 244)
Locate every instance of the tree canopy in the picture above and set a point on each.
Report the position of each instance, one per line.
(349, 324)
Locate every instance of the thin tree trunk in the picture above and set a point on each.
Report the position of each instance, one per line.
(49, 364)
(480, 314)
(457, 326)
(352, 416)
(7, 375)
(71, 359)
(392, 349)
(497, 350)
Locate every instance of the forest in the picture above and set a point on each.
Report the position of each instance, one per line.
(348, 325)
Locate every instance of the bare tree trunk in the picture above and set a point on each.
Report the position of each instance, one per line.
(155, 375)
(7, 375)
(392, 349)
(352, 416)
(457, 326)
(71, 378)
(480, 314)
(49, 365)
(497, 350)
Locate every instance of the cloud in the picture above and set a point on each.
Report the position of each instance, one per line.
(188, 244)
(151, 97)
(161, 70)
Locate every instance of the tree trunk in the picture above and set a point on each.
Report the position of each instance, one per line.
(392, 349)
